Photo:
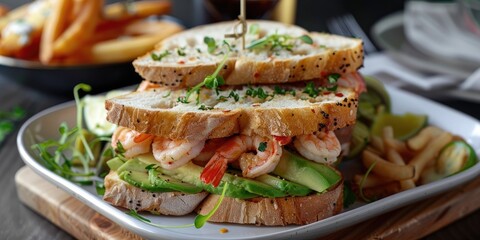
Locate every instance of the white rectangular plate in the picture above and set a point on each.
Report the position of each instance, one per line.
(44, 125)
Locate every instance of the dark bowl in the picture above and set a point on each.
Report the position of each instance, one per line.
(60, 80)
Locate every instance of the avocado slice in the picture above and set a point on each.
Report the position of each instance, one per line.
(141, 180)
(161, 180)
(299, 170)
(115, 163)
(290, 188)
(135, 172)
(239, 187)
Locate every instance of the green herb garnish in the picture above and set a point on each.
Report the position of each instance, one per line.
(200, 220)
(311, 90)
(204, 108)
(362, 196)
(233, 94)
(7, 119)
(212, 81)
(211, 44)
(254, 29)
(276, 42)
(167, 95)
(306, 39)
(262, 146)
(257, 92)
(158, 57)
(278, 90)
(58, 155)
(100, 188)
(332, 80)
(181, 51)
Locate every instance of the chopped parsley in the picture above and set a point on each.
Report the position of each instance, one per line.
(311, 90)
(211, 44)
(256, 92)
(204, 108)
(167, 95)
(278, 90)
(181, 51)
(276, 42)
(332, 81)
(262, 146)
(233, 94)
(158, 57)
(306, 39)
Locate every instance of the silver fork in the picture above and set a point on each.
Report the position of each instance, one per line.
(347, 25)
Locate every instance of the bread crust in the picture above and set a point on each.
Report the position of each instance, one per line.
(165, 121)
(276, 211)
(330, 54)
(121, 194)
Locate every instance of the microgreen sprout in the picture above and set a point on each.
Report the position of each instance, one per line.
(213, 81)
(276, 42)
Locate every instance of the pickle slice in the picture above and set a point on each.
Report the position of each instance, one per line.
(455, 157)
(404, 126)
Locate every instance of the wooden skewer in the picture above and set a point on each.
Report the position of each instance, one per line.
(243, 22)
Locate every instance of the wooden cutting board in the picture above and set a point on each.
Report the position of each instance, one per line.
(410, 222)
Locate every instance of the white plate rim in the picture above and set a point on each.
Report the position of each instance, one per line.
(316, 229)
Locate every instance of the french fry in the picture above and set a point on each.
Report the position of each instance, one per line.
(374, 150)
(21, 36)
(387, 132)
(142, 27)
(387, 169)
(421, 139)
(136, 10)
(429, 152)
(3, 10)
(76, 9)
(54, 26)
(120, 50)
(377, 143)
(395, 157)
(80, 30)
(13, 15)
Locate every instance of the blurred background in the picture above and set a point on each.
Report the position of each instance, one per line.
(310, 14)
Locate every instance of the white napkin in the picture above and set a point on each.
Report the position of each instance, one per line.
(436, 30)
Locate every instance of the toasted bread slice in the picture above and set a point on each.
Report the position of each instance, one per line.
(122, 194)
(158, 112)
(276, 211)
(185, 59)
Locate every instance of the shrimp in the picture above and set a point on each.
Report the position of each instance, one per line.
(172, 154)
(353, 80)
(211, 145)
(134, 143)
(268, 155)
(322, 147)
(146, 85)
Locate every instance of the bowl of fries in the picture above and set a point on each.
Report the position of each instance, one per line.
(53, 45)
